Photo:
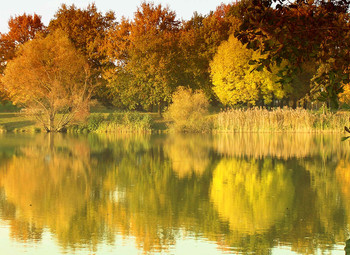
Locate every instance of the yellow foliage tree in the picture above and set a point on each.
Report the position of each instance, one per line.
(235, 80)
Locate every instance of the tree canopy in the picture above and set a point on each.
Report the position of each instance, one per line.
(54, 79)
(235, 80)
(144, 51)
(87, 29)
(300, 31)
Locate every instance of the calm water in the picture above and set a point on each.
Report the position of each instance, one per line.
(225, 194)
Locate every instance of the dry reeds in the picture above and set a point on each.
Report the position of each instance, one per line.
(279, 120)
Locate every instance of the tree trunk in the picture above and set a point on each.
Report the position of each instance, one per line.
(51, 123)
(160, 109)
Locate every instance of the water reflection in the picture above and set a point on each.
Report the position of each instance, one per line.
(246, 193)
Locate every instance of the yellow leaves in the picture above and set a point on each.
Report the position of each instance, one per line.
(235, 80)
(345, 96)
(250, 196)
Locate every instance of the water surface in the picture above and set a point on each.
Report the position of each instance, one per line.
(174, 194)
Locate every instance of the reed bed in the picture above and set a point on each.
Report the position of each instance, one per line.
(280, 120)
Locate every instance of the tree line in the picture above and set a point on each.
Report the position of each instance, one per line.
(252, 52)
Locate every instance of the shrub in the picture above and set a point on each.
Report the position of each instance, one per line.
(94, 122)
(188, 111)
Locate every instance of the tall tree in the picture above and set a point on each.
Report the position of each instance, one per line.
(87, 29)
(146, 56)
(301, 31)
(53, 85)
(21, 29)
(199, 39)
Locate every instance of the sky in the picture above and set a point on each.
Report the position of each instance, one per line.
(47, 8)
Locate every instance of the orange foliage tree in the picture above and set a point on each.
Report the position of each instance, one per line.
(54, 79)
(87, 29)
(21, 29)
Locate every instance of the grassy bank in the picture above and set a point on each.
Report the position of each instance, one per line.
(122, 122)
(229, 121)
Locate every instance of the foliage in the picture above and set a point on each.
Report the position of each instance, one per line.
(235, 80)
(300, 32)
(200, 38)
(54, 79)
(127, 122)
(188, 111)
(22, 28)
(144, 51)
(87, 29)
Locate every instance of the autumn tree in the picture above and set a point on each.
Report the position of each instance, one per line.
(146, 58)
(302, 32)
(235, 80)
(200, 38)
(87, 29)
(21, 29)
(53, 84)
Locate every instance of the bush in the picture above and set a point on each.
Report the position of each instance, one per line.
(188, 111)
(94, 122)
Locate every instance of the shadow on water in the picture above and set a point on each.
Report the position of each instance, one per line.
(347, 247)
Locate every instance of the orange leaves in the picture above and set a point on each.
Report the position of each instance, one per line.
(53, 79)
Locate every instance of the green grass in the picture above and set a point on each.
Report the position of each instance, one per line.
(16, 122)
(117, 122)
(8, 107)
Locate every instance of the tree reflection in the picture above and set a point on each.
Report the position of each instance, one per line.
(252, 195)
(157, 189)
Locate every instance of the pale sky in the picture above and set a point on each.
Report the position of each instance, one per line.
(47, 8)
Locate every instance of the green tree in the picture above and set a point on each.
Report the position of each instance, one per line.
(234, 79)
(54, 79)
(145, 54)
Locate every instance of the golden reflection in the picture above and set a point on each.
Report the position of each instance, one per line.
(88, 190)
(251, 195)
(189, 154)
(48, 182)
(343, 177)
(279, 145)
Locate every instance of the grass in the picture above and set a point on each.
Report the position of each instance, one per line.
(118, 122)
(16, 122)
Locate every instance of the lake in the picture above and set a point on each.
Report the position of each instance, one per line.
(174, 194)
